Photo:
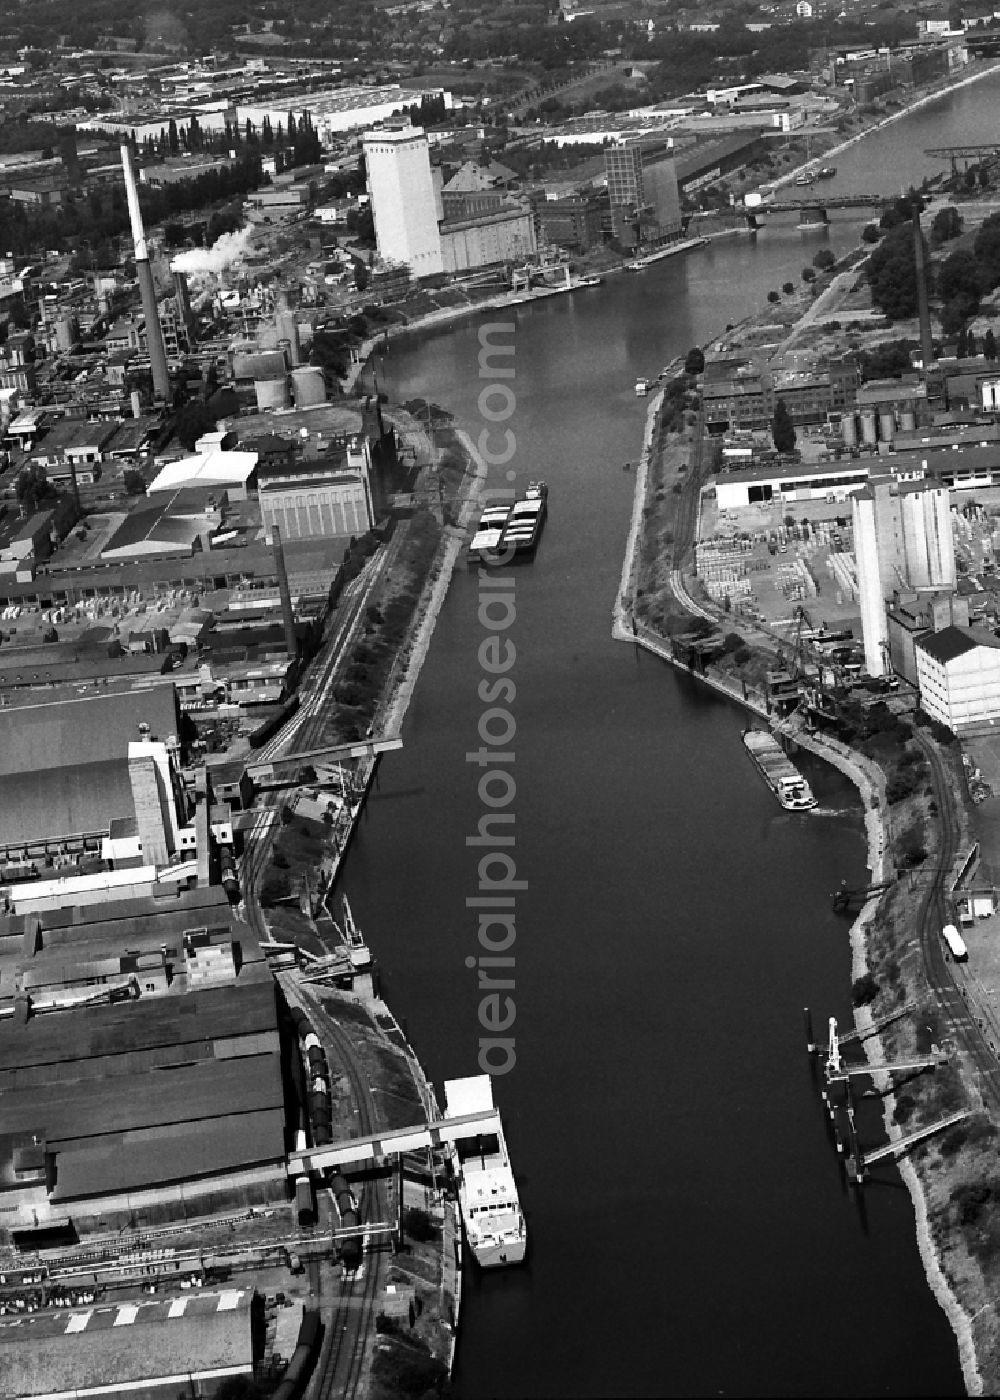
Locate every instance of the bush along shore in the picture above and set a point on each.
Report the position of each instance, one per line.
(907, 770)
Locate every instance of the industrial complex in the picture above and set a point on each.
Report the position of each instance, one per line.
(215, 553)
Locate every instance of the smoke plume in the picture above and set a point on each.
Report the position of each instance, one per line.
(229, 249)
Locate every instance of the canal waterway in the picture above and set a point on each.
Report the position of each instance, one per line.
(690, 1232)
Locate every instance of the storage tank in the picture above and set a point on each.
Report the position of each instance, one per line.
(849, 428)
(308, 386)
(907, 421)
(869, 427)
(260, 364)
(887, 426)
(272, 393)
(67, 333)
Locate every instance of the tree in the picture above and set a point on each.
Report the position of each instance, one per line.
(825, 259)
(224, 403)
(133, 482)
(954, 314)
(971, 348)
(808, 275)
(782, 428)
(990, 345)
(788, 288)
(33, 487)
(870, 233)
(986, 249)
(695, 361)
(864, 989)
(959, 276)
(773, 297)
(892, 274)
(946, 225)
(194, 419)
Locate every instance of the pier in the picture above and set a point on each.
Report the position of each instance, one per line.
(903, 1144)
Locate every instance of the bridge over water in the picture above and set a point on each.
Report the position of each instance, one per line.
(833, 201)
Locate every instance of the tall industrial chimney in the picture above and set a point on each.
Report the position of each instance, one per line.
(287, 614)
(154, 335)
(183, 298)
(926, 344)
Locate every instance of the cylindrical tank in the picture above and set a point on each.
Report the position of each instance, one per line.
(849, 428)
(272, 393)
(869, 427)
(288, 329)
(308, 385)
(907, 420)
(67, 332)
(887, 426)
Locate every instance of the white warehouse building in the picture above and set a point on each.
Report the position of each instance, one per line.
(958, 673)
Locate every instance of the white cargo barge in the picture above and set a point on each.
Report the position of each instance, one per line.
(778, 771)
(487, 1192)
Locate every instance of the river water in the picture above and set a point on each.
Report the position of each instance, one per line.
(690, 1232)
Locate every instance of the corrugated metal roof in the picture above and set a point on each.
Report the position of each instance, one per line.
(176, 1152)
(196, 1017)
(73, 1111)
(75, 1351)
(64, 801)
(86, 730)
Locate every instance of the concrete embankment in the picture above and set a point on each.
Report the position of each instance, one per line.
(914, 106)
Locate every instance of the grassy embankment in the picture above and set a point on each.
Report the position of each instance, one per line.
(304, 850)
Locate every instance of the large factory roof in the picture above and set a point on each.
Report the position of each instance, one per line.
(78, 1352)
(117, 1039)
(154, 528)
(216, 467)
(64, 764)
(140, 1094)
(93, 727)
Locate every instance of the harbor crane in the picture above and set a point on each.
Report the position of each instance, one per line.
(837, 1070)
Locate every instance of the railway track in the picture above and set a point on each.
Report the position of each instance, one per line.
(933, 914)
(354, 1319)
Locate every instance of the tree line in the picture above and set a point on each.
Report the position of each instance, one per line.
(963, 278)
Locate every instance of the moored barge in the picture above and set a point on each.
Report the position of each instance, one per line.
(778, 771)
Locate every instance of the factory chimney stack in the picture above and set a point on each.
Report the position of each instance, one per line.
(926, 343)
(287, 613)
(154, 335)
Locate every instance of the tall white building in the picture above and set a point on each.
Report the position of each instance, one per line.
(404, 200)
(958, 672)
(902, 539)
